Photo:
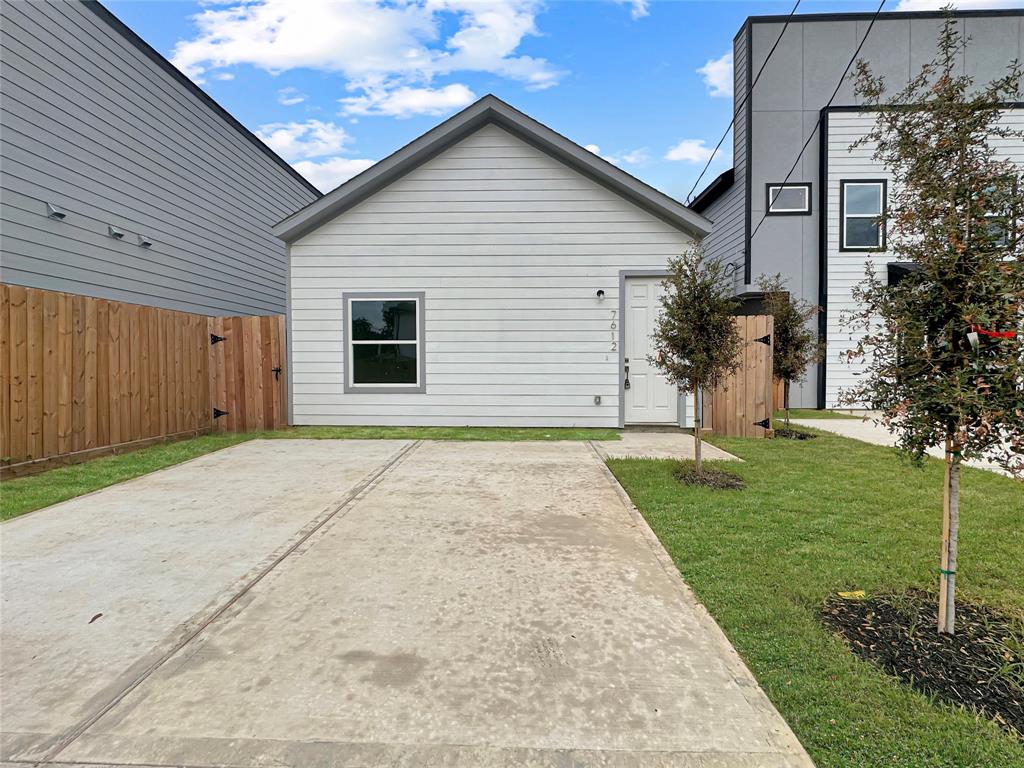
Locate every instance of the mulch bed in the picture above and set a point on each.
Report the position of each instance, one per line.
(793, 434)
(709, 477)
(980, 668)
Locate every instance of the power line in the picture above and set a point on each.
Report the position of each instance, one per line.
(817, 125)
(750, 90)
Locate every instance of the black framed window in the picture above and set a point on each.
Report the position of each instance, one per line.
(384, 342)
(862, 214)
(788, 199)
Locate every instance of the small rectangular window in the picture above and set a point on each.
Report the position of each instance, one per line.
(1002, 218)
(862, 222)
(788, 199)
(384, 344)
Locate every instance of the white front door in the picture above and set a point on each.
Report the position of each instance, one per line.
(650, 399)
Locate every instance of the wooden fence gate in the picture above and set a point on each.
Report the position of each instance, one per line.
(247, 357)
(742, 405)
(81, 376)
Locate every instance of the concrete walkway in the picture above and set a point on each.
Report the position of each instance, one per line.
(659, 445)
(328, 603)
(867, 431)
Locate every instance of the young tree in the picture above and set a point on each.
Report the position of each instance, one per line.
(795, 344)
(696, 336)
(943, 348)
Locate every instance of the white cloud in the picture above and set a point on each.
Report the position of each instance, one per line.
(689, 151)
(717, 75)
(290, 96)
(313, 138)
(406, 101)
(327, 174)
(224, 76)
(377, 45)
(963, 5)
(630, 157)
(635, 157)
(638, 8)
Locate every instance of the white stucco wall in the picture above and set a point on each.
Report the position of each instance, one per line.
(510, 247)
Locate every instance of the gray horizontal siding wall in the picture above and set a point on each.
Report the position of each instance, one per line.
(725, 243)
(92, 125)
(510, 248)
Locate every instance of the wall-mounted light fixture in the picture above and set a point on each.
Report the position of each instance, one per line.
(115, 232)
(54, 212)
(144, 241)
(600, 294)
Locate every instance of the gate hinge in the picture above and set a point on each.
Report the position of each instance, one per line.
(766, 339)
(763, 423)
(217, 413)
(214, 338)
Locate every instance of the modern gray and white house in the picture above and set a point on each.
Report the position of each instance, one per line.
(820, 224)
(491, 272)
(123, 180)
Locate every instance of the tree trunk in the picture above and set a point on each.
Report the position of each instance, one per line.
(785, 399)
(696, 431)
(950, 525)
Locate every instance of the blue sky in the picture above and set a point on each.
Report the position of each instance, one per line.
(335, 86)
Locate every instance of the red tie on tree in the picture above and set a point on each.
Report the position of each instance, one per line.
(993, 334)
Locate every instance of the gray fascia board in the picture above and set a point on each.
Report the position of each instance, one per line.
(487, 110)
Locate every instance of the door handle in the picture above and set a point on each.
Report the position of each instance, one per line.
(625, 383)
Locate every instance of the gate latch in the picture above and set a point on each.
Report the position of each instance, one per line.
(277, 373)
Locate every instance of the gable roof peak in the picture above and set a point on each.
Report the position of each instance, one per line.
(489, 109)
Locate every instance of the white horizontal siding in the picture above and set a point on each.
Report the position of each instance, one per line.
(847, 269)
(510, 248)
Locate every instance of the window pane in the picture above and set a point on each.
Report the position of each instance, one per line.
(863, 198)
(998, 230)
(862, 233)
(384, 320)
(383, 363)
(789, 199)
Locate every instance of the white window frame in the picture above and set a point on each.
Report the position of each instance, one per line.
(882, 184)
(772, 210)
(418, 297)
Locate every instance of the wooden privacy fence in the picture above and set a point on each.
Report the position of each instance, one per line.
(81, 376)
(742, 405)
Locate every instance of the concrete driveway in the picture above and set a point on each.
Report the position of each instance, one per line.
(366, 603)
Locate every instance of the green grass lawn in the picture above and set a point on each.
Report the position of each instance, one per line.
(810, 413)
(26, 494)
(822, 516)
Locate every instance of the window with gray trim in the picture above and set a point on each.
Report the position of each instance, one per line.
(788, 199)
(862, 214)
(384, 342)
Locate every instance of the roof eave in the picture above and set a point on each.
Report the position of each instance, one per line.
(713, 191)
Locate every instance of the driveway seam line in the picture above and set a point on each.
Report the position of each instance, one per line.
(353, 494)
(745, 680)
